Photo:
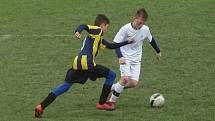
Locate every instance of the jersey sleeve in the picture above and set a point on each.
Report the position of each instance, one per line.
(120, 36)
(118, 52)
(109, 45)
(148, 35)
(154, 45)
(82, 27)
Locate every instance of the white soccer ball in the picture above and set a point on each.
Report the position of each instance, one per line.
(157, 100)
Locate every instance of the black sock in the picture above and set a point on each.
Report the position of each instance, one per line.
(48, 100)
(105, 92)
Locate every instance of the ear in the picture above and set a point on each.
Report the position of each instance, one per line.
(102, 25)
(133, 18)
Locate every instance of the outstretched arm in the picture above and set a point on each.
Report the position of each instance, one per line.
(117, 45)
(113, 45)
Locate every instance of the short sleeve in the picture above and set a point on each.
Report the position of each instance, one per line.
(148, 35)
(120, 36)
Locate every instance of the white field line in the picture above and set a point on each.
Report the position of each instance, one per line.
(4, 37)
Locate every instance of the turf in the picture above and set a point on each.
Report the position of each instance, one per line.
(37, 47)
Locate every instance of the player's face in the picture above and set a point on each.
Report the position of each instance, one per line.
(138, 22)
(104, 27)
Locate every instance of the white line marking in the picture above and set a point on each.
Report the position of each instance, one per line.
(4, 37)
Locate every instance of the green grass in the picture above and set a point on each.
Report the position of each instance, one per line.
(31, 65)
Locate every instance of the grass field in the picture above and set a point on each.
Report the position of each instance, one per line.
(37, 48)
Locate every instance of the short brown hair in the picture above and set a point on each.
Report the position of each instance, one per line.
(142, 13)
(100, 19)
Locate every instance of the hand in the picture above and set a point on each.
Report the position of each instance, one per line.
(131, 40)
(78, 35)
(158, 55)
(122, 61)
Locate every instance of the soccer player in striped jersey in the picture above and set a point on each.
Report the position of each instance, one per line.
(130, 55)
(84, 66)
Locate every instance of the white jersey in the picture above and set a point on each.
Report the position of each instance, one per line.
(133, 52)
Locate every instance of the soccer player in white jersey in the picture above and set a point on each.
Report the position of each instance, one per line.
(130, 55)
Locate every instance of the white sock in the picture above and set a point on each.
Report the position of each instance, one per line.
(117, 89)
(113, 87)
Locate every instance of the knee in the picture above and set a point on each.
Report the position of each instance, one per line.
(132, 84)
(124, 80)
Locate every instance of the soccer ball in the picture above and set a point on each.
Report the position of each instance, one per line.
(157, 100)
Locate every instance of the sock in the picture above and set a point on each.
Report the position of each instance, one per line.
(110, 78)
(48, 100)
(62, 88)
(118, 88)
(107, 87)
(104, 95)
(53, 95)
(113, 87)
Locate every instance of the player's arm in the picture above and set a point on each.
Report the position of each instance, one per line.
(80, 29)
(120, 56)
(154, 44)
(116, 45)
(120, 36)
(118, 52)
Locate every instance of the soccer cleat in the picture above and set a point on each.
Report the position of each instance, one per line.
(38, 111)
(111, 104)
(104, 107)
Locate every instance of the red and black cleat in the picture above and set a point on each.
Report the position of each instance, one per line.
(38, 111)
(109, 106)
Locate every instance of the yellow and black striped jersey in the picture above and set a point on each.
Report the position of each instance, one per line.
(92, 43)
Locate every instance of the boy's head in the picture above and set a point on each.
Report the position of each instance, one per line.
(102, 21)
(139, 18)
